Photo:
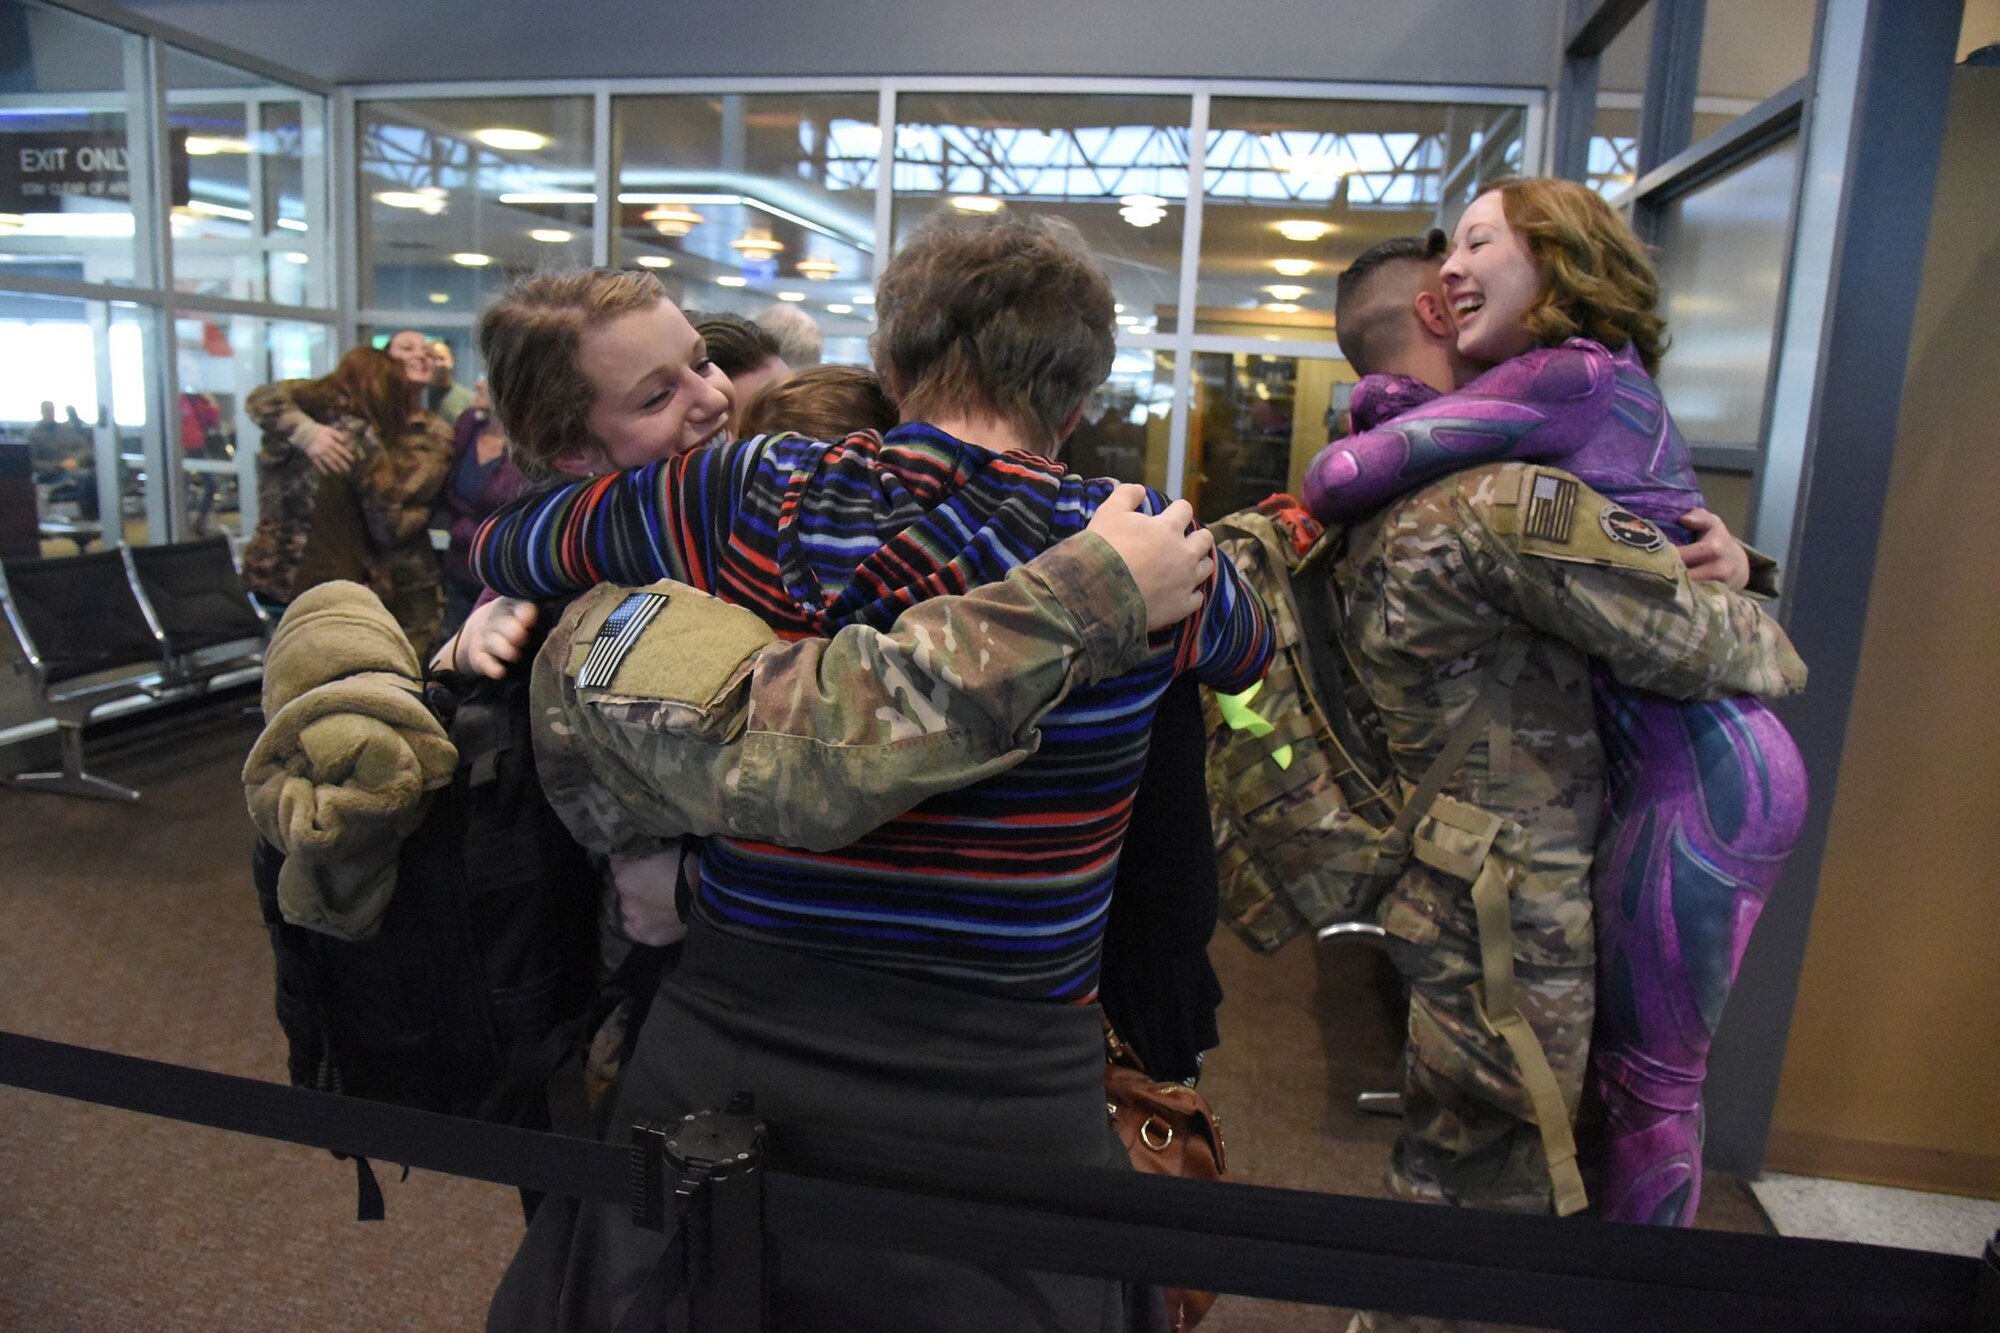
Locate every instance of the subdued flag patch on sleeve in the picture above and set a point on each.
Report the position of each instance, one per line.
(1551, 508)
(621, 629)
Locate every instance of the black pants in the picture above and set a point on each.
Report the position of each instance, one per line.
(825, 1043)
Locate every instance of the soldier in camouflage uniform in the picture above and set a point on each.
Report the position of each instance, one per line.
(1440, 588)
(395, 482)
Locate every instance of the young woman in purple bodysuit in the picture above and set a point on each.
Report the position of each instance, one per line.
(1550, 287)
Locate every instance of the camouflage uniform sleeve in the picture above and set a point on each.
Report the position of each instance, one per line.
(284, 424)
(1546, 548)
(698, 721)
(1764, 580)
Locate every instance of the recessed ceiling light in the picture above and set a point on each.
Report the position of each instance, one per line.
(440, 298)
(1293, 268)
(1282, 307)
(840, 308)
(551, 235)
(976, 203)
(655, 261)
(1304, 230)
(819, 270)
(519, 141)
(864, 298)
(297, 257)
(791, 296)
(731, 280)
(1285, 291)
(1128, 320)
(471, 259)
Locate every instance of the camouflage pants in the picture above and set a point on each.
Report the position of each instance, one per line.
(1469, 1133)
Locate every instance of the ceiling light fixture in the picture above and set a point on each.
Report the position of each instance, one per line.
(472, 259)
(1281, 308)
(551, 235)
(1142, 210)
(517, 141)
(655, 261)
(1128, 320)
(1303, 230)
(673, 219)
(758, 243)
(1285, 291)
(839, 308)
(440, 298)
(976, 203)
(208, 145)
(1293, 268)
(297, 257)
(819, 270)
(411, 199)
(292, 224)
(731, 280)
(791, 296)
(864, 298)
(528, 198)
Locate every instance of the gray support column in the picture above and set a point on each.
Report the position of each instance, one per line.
(1576, 116)
(1673, 71)
(1881, 85)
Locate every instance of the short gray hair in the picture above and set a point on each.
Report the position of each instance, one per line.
(800, 343)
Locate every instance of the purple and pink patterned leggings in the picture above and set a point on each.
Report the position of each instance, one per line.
(1705, 801)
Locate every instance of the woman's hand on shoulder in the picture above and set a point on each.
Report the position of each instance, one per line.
(330, 451)
(1170, 563)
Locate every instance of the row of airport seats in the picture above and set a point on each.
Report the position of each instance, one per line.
(159, 622)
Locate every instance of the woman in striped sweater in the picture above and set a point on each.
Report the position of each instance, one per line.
(936, 979)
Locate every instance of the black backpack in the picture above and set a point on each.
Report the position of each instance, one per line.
(482, 980)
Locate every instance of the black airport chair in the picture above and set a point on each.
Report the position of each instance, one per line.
(207, 621)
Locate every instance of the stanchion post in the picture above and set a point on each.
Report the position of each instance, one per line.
(1986, 1299)
(703, 1177)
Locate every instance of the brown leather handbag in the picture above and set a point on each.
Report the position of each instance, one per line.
(1169, 1129)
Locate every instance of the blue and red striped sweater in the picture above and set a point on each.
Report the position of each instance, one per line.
(1002, 887)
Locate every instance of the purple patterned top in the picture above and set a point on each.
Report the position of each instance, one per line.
(1579, 406)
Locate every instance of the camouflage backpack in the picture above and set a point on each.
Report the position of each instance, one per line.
(1312, 825)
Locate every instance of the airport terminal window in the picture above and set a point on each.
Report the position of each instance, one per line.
(1114, 166)
(67, 213)
(1722, 250)
(243, 149)
(457, 194)
(739, 200)
(1621, 84)
(1255, 422)
(1294, 190)
(89, 360)
(1125, 424)
(1750, 49)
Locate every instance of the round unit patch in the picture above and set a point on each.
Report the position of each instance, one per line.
(1628, 529)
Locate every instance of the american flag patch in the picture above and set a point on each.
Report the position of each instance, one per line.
(1551, 508)
(621, 629)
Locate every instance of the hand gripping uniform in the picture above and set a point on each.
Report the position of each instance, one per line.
(1705, 800)
(934, 978)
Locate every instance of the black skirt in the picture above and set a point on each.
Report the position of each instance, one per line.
(825, 1043)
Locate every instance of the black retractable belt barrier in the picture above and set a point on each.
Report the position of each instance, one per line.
(959, 1204)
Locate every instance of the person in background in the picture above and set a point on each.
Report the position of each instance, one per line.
(744, 352)
(482, 478)
(799, 340)
(394, 491)
(823, 402)
(57, 446)
(446, 396)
